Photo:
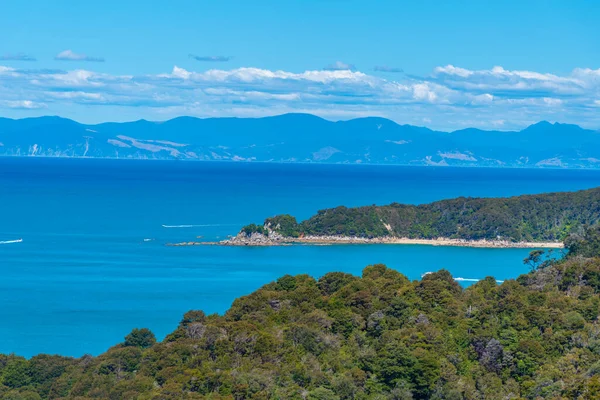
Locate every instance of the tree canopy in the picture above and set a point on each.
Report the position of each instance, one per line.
(377, 336)
(543, 217)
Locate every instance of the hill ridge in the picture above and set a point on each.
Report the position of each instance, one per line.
(300, 137)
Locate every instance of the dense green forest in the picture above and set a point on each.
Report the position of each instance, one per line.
(543, 217)
(379, 336)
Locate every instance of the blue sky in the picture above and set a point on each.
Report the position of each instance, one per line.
(443, 64)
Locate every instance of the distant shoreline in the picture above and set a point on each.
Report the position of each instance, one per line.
(347, 240)
(317, 163)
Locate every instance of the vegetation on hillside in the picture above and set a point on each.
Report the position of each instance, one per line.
(543, 217)
(585, 242)
(379, 336)
(285, 225)
(248, 230)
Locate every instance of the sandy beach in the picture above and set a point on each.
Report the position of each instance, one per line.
(260, 240)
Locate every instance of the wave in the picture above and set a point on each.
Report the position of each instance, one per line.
(11, 241)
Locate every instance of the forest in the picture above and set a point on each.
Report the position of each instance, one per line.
(527, 218)
(377, 336)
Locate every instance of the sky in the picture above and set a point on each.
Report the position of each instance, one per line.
(442, 64)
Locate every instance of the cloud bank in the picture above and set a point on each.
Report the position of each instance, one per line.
(449, 98)
(69, 55)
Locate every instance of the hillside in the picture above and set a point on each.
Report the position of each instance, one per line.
(529, 218)
(302, 138)
(378, 336)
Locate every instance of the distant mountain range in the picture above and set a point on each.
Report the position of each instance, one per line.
(302, 138)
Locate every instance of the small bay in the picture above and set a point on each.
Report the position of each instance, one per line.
(92, 264)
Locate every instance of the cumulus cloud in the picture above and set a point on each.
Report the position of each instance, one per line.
(450, 98)
(69, 55)
(339, 66)
(17, 57)
(211, 58)
(259, 75)
(385, 68)
(505, 83)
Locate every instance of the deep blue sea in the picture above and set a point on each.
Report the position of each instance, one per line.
(84, 276)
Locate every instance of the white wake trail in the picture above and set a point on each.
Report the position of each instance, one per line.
(472, 280)
(11, 241)
(459, 279)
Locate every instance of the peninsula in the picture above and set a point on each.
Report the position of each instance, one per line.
(528, 221)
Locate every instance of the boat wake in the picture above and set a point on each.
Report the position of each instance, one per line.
(471, 280)
(459, 279)
(10, 241)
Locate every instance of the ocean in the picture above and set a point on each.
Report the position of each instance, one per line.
(93, 263)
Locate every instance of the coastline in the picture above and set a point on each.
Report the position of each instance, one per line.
(264, 241)
(311, 163)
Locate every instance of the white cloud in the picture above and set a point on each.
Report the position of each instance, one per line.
(451, 97)
(485, 98)
(180, 73)
(422, 92)
(8, 72)
(260, 75)
(24, 104)
(452, 70)
(552, 102)
(69, 55)
(75, 95)
(502, 82)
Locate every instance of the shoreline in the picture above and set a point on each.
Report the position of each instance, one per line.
(317, 163)
(263, 241)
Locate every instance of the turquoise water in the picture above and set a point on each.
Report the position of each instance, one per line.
(83, 276)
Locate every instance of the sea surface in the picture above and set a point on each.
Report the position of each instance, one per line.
(93, 262)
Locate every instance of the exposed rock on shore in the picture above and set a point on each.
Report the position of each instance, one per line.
(273, 238)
